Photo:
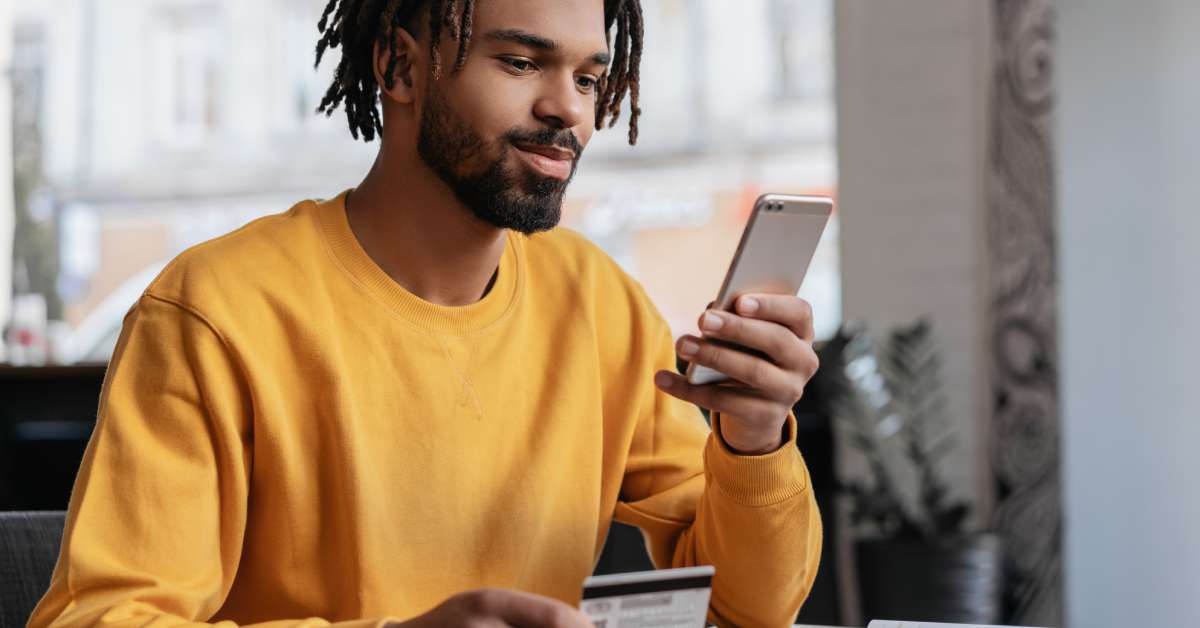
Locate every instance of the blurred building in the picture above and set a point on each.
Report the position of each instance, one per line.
(156, 124)
(7, 214)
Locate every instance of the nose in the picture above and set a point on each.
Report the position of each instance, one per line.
(560, 104)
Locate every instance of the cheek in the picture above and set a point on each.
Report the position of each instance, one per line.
(585, 131)
(489, 104)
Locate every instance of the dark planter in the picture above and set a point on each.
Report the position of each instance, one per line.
(959, 582)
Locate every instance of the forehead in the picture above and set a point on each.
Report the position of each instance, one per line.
(578, 25)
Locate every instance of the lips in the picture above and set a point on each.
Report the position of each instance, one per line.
(549, 161)
(550, 152)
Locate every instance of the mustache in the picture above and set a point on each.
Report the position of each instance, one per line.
(562, 138)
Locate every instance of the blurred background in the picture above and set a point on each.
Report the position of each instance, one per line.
(143, 127)
(1006, 298)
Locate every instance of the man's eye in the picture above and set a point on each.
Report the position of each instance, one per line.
(519, 65)
(586, 83)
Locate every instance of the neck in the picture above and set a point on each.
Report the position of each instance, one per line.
(411, 224)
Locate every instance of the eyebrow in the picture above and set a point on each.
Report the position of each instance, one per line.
(537, 42)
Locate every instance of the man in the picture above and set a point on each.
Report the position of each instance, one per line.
(419, 404)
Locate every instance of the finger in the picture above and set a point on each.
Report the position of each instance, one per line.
(790, 311)
(527, 610)
(783, 346)
(738, 402)
(758, 373)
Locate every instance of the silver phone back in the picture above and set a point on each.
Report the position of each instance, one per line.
(772, 257)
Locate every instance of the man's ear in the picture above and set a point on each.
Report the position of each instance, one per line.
(403, 89)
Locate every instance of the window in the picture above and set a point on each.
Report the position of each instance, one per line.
(186, 85)
(805, 67)
(737, 100)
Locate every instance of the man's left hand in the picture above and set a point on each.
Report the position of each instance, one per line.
(754, 406)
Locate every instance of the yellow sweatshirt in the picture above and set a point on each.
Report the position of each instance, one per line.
(287, 436)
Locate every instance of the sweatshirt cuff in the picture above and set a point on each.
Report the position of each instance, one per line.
(756, 480)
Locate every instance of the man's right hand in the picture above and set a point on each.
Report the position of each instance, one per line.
(498, 608)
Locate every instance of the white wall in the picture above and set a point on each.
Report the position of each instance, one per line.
(1129, 139)
(912, 118)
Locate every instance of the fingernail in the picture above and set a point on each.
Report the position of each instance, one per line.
(688, 347)
(662, 380)
(711, 322)
(748, 305)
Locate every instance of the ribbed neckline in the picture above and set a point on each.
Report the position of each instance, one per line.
(492, 308)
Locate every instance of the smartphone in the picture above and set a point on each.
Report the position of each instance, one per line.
(772, 257)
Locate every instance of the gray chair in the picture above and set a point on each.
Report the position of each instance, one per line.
(28, 550)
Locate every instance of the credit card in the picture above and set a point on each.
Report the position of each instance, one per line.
(663, 598)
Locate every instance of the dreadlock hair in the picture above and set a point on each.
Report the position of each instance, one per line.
(357, 25)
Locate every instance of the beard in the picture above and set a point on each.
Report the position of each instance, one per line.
(479, 175)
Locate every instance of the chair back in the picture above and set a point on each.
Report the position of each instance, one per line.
(29, 543)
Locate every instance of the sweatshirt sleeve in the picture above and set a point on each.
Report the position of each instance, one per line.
(752, 517)
(155, 526)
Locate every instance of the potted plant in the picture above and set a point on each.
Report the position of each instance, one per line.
(915, 558)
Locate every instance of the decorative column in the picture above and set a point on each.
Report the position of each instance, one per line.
(1023, 317)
